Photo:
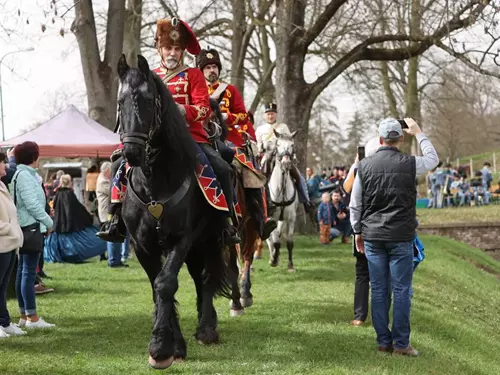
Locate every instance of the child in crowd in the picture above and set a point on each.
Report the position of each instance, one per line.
(326, 218)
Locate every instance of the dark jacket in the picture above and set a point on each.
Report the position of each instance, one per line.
(70, 215)
(388, 180)
(10, 171)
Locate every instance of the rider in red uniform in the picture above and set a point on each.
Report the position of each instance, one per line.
(240, 129)
(189, 90)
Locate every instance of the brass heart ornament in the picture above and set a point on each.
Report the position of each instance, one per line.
(155, 209)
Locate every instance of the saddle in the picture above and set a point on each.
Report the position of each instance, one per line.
(246, 168)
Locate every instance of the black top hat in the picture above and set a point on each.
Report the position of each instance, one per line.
(271, 107)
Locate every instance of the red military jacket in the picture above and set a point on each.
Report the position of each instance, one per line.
(237, 118)
(189, 88)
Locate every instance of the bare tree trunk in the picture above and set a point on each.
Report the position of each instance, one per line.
(266, 90)
(100, 75)
(389, 94)
(132, 31)
(238, 27)
(291, 89)
(412, 89)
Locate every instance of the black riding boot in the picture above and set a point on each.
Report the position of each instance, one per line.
(113, 230)
(270, 206)
(223, 172)
(255, 205)
(301, 188)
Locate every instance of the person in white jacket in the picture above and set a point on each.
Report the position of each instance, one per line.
(11, 238)
(265, 142)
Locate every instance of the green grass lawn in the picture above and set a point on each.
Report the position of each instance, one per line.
(298, 325)
(459, 214)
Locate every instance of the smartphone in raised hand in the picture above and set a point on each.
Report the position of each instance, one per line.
(403, 123)
(361, 152)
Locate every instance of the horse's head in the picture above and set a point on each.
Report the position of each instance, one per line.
(139, 109)
(285, 149)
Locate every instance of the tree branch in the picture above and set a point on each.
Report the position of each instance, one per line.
(171, 12)
(250, 30)
(461, 57)
(212, 25)
(263, 83)
(363, 51)
(322, 21)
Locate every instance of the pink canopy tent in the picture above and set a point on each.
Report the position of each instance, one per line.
(70, 134)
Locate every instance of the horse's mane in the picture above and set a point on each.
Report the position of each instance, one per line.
(214, 104)
(177, 143)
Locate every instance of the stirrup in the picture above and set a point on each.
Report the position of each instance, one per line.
(109, 232)
(268, 227)
(230, 236)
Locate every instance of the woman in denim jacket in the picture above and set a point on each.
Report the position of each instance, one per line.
(30, 202)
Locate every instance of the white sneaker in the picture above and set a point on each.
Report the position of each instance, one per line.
(3, 334)
(13, 330)
(40, 324)
(22, 323)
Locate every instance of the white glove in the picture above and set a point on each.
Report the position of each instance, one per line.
(224, 116)
(182, 109)
(255, 149)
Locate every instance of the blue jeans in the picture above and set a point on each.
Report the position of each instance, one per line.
(7, 261)
(25, 282)
(391, 263)
(126, 247)
(334, 233)
(114, 253)
(464, 198)
(438, 196)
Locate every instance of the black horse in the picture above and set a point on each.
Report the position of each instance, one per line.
(166, 212)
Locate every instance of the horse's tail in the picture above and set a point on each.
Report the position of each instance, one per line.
(217, 269)
(219, 274)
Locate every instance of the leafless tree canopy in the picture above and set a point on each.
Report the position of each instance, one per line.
(398, 56)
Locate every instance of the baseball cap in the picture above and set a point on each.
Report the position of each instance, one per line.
(390, 128)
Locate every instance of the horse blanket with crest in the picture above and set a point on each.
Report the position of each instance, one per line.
(247, 167)
(207, 181)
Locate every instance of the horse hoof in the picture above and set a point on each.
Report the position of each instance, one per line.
(273, 264)
(291, 269)
(207, 336)
(161, 365)
(246, 302)
(257, 257)
(179, 360)
(236, 313)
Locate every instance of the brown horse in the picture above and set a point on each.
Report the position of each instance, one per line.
(244, 252)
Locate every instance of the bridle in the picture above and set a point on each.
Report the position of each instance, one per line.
(278, 158)
(140, 138)
(156, 208)
(280, 155)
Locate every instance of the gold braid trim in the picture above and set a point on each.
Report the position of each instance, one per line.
(201, 112)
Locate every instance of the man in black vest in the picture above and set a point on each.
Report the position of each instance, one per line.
(383, 218)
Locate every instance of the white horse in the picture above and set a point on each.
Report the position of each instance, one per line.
(284, 196)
